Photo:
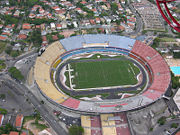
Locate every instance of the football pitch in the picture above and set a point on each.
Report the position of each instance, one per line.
(103, 73)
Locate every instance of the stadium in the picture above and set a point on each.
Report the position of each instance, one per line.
(76, 73)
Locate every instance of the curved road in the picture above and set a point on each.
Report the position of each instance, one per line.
(112, 90)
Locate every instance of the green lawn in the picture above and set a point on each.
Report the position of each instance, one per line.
(2, 46)
(2, 65)
(104, 73)
(40, 126)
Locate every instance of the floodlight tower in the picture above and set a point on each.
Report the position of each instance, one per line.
(168, 15)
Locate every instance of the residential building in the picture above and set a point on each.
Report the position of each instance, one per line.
(19, 120)
(1, 119)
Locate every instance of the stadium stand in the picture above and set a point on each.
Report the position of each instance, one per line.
(113, 40)
(42, 70)
(161, 74)
(86, 124)
(114, 124)
(72, 103)
(90, 50)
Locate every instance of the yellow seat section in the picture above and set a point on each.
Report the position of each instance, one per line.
(50, 91)
(109, 131)
(87, 131)
(105, 121)
(86, 124)
(85, 121)
(42, 72)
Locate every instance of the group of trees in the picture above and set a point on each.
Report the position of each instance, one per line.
(3, 111)
(176, 55)
(28, 3)
(36, 38)
(40, 21)
(15, 73)
(175, 81)
(50, 36)
(7, 129)
(114, 7)
(11, 52)
(76, 130)
(90, 14)
(162, 120)
(2, 65)
(9, 19)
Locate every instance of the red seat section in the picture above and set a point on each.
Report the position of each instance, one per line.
(152, 94)
(161, 74)
(122, 127)
(95, 125)
(113, 105)
(95, 121)
(71, 103)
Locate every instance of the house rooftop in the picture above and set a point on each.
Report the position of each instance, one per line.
(13, 133)
(19, 120)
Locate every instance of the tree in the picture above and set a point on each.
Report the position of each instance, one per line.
(162, 120)
(36, 38)
(15, 73)
(8, 50)
(174, 125)
(175, 81)
(2, 96)
(7, 128)
(60, 36)
(3, 111)
(176, 55)
(114, 7)
(76, 130)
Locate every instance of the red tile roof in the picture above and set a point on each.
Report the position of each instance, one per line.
(178, 133)
(19, 120)
(3, 37)
(98, 19)
(55, 37)
(14, 133)
(22, 36)
(92, 21)
(26, 26)
(23, 133)
(1, 119)
(83, 2)
(44, 38)
(1, 25)
(59, 25)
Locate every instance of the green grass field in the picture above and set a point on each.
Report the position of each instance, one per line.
(103, 73)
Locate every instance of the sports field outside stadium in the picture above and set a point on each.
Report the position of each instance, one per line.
(105, 73)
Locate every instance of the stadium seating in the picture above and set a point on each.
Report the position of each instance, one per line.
(161, 74)
(42, 71)
(71, 103)
(113, 41)
(93, 49)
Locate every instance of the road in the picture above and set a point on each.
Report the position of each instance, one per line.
(139, 21)
(37, 104)
(11, 63)
(161, 129)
